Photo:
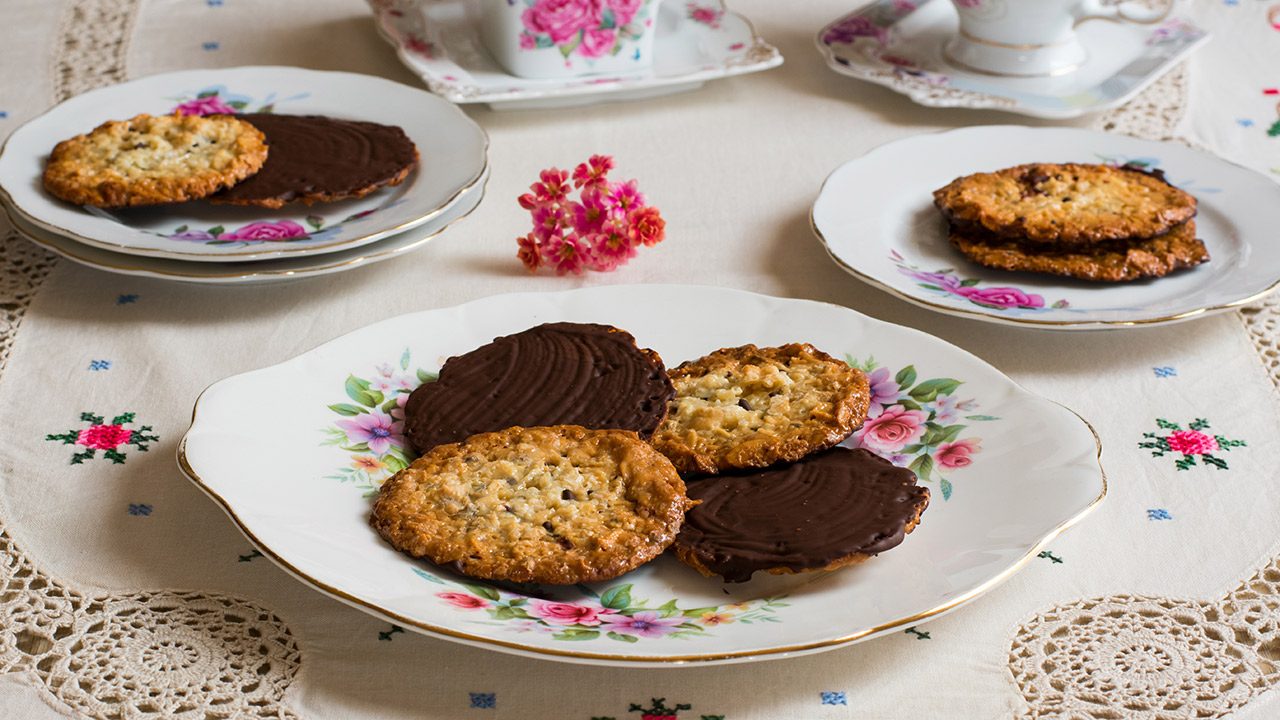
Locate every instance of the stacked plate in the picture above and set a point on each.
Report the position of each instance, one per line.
(201, 242)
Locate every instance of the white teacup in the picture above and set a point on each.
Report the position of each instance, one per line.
(569, 38)
(1031, 38)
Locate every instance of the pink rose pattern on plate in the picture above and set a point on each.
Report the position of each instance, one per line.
(914, 423)
(612, 614)
(873, 22)
(590, 28)
(946, 281)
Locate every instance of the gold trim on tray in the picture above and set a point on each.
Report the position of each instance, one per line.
(641, 660)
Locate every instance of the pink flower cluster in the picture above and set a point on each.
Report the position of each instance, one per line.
(599, 231)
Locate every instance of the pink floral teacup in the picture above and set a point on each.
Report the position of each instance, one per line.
(1031, 38)
(569, 38)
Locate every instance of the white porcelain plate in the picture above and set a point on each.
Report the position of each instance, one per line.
(452, 147)
(899, 45)
(695, 41)
(876, 216)
(277, 269)
(302, 492)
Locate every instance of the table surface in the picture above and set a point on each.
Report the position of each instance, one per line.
(131, 594)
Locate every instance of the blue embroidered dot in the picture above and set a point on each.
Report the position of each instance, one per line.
(211, 45)
(834, 698)
(1231, 2)
(125, 299)
(484, 700)
(1244, 122)
(1165, 371)
(135, 509)
(99, 364)
(213, 3)
(4, 114)
(1159, 514)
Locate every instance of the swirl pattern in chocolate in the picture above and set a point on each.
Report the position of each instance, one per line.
(553, 374)
(311, 158)
(835, 508)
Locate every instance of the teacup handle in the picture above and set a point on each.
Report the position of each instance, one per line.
(1095, 10)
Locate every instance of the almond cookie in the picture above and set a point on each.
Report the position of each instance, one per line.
(554, 374)
(1068, 203)
(151, 160)
(1108, 261)
(322, 159)
(836, 508)
(555, 505)
(750, 407)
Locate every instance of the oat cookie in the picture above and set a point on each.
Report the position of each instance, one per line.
(555, 505)
(554, 374)
(321, 159)
(1067, 203)
(750, 407)
(151, 160)
(836, 508)
(1108, 261)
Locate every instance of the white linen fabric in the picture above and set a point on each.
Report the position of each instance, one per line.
(131, 595)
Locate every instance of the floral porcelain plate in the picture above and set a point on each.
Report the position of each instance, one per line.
(278, 269)
(695, 41)
(898, 44)
(1008, 470)
(453, 154)
(876, 217)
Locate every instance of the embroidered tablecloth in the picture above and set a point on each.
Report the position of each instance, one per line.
(129, 594)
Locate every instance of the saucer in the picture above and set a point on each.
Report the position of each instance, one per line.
(899, 45)
(876, 218)
(277, 269)
(695, 42)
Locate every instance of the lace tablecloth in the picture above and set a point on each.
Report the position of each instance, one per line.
(128, 594)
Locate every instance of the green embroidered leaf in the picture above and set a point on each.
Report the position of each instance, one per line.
(1161, 422)
(1198, 424)
(359, 391)
(217, 230)
(970, 282)
(620, 636)
(906, 377)
(1274, 130)
(426, 377)
(617, 598)
(345, 409)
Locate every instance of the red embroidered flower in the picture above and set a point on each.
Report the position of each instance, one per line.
(1191, 442)
(104, 437)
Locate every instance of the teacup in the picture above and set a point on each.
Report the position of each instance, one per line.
(569, 38)
(1031, 38)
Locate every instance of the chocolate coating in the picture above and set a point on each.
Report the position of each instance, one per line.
(311, 157)
(829, 509)
(553, 374)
